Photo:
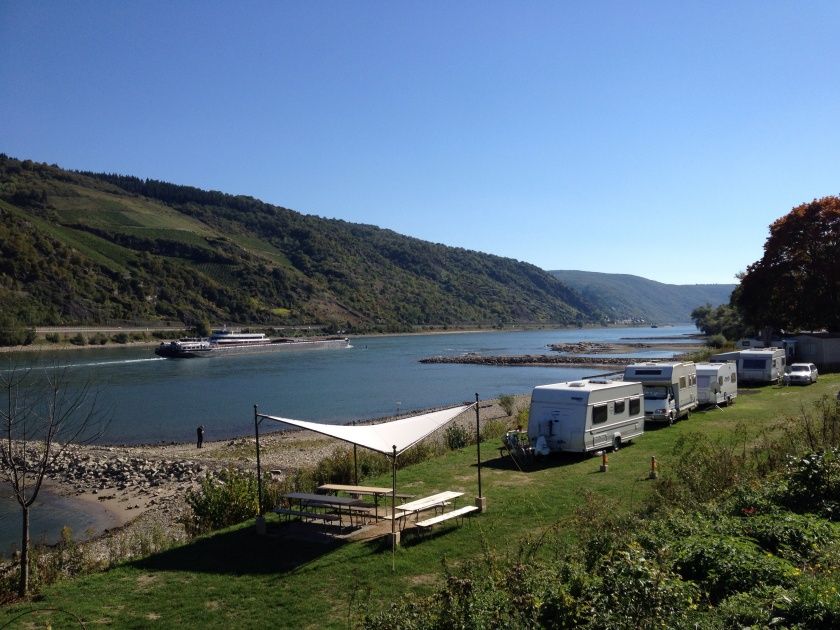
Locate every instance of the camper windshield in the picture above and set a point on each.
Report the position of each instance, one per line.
(656, 392)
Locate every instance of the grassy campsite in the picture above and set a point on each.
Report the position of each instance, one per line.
(547, 518)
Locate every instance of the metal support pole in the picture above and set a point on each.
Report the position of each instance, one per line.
(355, 464)
(259, 468)
(393, 491)
(478, 444)
(394, 510)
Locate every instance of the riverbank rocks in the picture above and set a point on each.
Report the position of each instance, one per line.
(536, 359)
(86, 471)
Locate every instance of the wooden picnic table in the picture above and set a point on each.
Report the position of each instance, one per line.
(325, 500)
(434, 501)
(373, 491)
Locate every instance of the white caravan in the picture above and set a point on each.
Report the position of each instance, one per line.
(756, 366)
(670, 388)
(585, 416)
(717, 383)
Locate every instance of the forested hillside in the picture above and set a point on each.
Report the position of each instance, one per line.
(623, 296)
(85, 248)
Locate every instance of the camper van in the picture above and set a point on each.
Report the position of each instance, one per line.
(756, 366)
(717, 383)
(670, 388)
(585, 416)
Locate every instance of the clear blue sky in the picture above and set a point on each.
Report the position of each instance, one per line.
(653, 138)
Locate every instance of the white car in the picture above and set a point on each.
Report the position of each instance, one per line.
(802, 373)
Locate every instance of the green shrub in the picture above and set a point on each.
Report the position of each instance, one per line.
(52, 337)
(494, 430)
(120, 338)
(703, 470)
(716, 341)
(337, 467)
(508, 403)
(228, 498)
(78, 339)
(98, 339)
(522, 416)
(456, 437)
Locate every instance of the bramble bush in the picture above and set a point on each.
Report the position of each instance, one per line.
(812, 484)
(724, 565)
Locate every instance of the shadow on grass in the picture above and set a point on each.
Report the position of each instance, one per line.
(241, 551)
(553, 460)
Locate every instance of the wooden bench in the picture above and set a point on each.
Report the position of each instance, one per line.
(440, 518)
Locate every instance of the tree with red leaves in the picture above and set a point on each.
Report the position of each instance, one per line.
(796, 284)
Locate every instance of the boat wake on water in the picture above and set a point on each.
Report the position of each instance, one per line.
(92, 364)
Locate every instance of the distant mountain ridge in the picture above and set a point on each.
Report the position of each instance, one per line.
(628, 297)
(87, 248)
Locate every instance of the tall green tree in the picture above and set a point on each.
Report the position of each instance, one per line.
(796, 284)
(721, 320)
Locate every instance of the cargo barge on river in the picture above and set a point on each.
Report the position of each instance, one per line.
(226, 342)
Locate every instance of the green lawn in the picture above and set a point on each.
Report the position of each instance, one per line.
(236, 579)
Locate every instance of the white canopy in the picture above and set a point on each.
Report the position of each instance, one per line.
(402, 434)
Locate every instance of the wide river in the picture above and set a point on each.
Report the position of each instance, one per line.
(152, 400)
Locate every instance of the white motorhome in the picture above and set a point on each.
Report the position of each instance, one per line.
(756, 366)
(717, 383)
(670, 388)
(582, 416)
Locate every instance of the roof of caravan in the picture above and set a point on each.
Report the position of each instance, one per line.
(714, 367)
(589, 385)
(761, 351)
(657, 364)
(573, 389)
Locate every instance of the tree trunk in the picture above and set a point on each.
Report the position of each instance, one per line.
(23, 587)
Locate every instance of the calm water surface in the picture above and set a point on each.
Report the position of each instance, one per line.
(48, 515)
(151, 399)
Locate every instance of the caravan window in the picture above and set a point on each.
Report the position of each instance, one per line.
(683, 382)
(755, 364)
(720, 380)
(734, 377)
(599, 414)
(648, 372)
(635, 406)
(618, 407)
(692, 379)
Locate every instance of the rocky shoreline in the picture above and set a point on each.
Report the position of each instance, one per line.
(535, 360)
(571, 354)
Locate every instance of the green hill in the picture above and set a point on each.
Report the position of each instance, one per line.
(87, 248)
(623, 296)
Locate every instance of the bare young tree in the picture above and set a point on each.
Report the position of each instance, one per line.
(42, 415)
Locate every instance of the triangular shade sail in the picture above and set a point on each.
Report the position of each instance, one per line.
(403, 433)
